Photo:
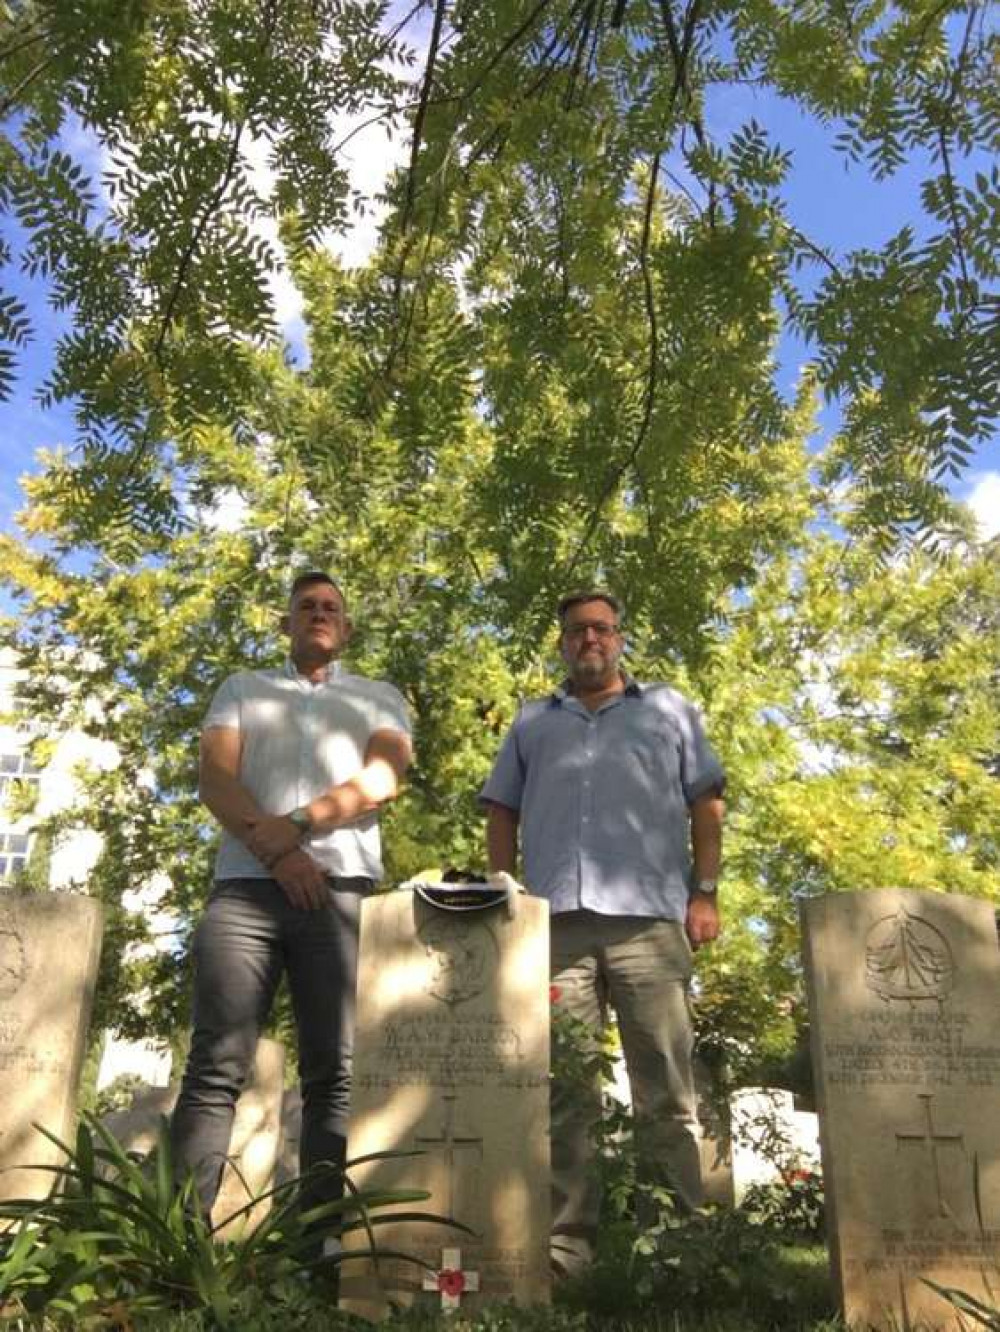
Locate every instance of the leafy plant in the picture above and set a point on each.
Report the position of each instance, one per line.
(118, 1241)
(793, 1206)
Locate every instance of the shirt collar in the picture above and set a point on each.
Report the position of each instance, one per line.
(562, 692)
(333, 672)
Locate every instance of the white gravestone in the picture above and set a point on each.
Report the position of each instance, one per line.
(904, 997)
(50, 947)
(770, 1138)
(451, 1061)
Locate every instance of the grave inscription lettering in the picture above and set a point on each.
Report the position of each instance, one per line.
(49, 951)
(451, 1066)
(904, 992)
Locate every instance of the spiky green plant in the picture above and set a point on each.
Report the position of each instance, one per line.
(118, 1240)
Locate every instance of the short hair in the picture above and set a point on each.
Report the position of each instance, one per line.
(311, 576)
(578, 598)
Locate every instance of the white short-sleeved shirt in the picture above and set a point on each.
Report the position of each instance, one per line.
(297, 739)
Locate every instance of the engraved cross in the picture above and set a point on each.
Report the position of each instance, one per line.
(451, 1143)
(931, 1139)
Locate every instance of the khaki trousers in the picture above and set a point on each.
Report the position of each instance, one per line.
(641, 967)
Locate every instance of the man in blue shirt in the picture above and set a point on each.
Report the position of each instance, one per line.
(616, 797)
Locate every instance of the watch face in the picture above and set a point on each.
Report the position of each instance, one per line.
(708, 887)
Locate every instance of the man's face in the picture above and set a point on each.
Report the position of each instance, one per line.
(591, 643)
(316, 623)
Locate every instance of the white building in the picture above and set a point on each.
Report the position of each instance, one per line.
(74, 854)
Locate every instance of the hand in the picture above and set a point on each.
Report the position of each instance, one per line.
(702, 921)
(271, 836)
(303, 881)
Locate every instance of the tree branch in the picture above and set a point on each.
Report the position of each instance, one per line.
(652, 382)
(26, 83)
(418, 124)
(39, 36)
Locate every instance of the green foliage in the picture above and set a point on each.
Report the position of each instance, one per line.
(118, 1242)
(559, 366)
(793, 1208)
(983, 1313)
(727, 1265)
(570, 226)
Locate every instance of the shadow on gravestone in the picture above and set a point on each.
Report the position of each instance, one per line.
(904, 993)
(254, 1144)
(451, 1062)
(49, 951)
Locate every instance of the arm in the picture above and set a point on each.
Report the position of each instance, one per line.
(386, 759)
(702, 922)
(219, 786)
(220, 792)
(501, 837)
(270, 836)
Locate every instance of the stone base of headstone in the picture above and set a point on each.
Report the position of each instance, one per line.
(904, 995)
(254, 1145)
(451, 1062)
(50, 946)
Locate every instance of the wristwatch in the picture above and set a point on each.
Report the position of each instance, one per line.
(300, 817)
(706, 887)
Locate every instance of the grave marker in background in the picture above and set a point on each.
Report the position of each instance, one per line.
(770, 1139)
(451, 1060)
(50, 945)
(904, 998)
(254, 1143)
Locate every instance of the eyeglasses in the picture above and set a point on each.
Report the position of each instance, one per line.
(599, 628)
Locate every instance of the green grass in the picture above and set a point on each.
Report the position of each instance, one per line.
(790, 1293)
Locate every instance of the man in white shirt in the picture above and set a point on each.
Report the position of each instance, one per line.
(295, 764)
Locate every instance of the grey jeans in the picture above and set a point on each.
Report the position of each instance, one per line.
(642, 968)
(249, 936)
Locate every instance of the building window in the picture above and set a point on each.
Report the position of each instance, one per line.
(16, 768)
(13, 854)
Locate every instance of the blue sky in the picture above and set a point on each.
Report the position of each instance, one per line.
(837, 204)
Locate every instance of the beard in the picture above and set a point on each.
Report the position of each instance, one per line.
(594, 669)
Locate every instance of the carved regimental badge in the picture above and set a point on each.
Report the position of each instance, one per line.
(908, 959)
(463, 958)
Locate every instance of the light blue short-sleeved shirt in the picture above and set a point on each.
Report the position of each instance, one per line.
(604, 797)
(297, 739)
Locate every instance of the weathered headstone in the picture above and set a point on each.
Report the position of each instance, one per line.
(50, 945)
(254, 1143)
(451, 1061)
(904, 993)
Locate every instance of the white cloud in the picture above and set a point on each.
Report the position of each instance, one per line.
(984, 501)
(369, 158)
(228, 513)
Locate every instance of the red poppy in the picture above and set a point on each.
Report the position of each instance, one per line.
(451, 1282)
(555, 994)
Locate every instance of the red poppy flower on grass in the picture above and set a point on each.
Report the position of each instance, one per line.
(555, 994)
(451, 1282)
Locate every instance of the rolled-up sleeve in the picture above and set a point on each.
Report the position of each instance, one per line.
(701, 771)
(505, 784)
(391, 712)
(225, 707)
